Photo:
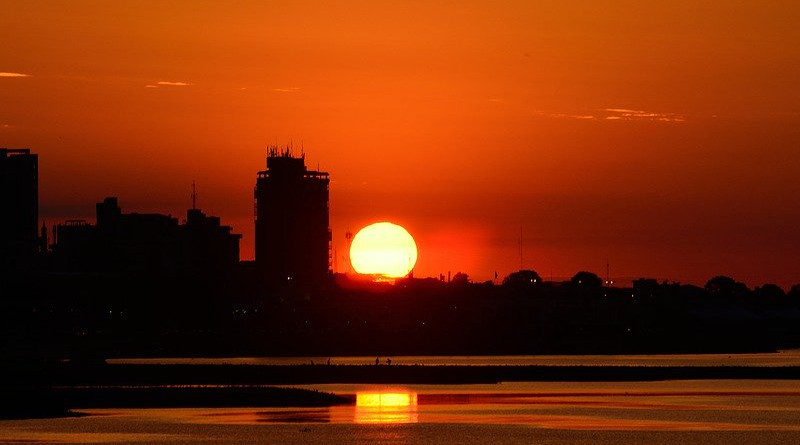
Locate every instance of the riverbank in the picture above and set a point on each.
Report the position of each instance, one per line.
(47, 402)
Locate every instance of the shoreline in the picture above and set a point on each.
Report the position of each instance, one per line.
(777, 358)
(58, 402)
(116, 375)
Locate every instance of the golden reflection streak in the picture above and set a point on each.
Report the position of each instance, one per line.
(386, 407)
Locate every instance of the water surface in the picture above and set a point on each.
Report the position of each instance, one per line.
(708, 412)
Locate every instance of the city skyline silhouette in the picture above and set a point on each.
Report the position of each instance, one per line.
(660, 138)
(288, 153)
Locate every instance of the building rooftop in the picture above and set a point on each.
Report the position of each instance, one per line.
(14, 151)
(281, 161)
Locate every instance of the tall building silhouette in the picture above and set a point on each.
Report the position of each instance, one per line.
(19, 205)
(292, 229)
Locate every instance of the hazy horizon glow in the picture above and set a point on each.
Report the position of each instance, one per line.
(660, 137)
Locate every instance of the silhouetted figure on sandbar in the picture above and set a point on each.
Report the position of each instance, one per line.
(388, 362)
(377, 361)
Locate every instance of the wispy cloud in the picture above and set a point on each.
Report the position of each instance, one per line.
(557, 115)
(287, 90)
(14, 75)
(572, 116)
(174, 84)
(166, 83)
(616, 114)
(628, 114)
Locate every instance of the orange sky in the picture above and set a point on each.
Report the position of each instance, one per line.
(662, 137)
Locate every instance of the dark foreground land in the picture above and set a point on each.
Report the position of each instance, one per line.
(25, 402)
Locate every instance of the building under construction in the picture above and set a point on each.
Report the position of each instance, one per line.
(19, 206)
(292, 229)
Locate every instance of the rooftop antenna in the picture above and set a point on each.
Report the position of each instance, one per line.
(194, 196)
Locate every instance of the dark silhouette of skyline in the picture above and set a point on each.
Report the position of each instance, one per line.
(158, 285)
(145, 243)
(291, 220)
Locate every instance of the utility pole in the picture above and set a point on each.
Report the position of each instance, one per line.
(349, 237)
(335, 261)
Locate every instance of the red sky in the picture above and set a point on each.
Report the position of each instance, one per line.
(663, 137)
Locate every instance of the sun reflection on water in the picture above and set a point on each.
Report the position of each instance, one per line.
(386, 407)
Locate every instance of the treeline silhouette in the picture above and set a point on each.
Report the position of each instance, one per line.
(54, 316)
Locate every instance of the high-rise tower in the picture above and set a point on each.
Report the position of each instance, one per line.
(19, 205)
(292, 229)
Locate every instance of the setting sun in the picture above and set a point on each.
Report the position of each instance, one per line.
(383, 249)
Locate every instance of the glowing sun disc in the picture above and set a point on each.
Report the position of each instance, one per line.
(384, 249)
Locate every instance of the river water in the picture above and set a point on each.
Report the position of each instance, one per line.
(676, 412)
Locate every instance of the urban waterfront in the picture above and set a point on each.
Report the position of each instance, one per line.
(359, 223)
